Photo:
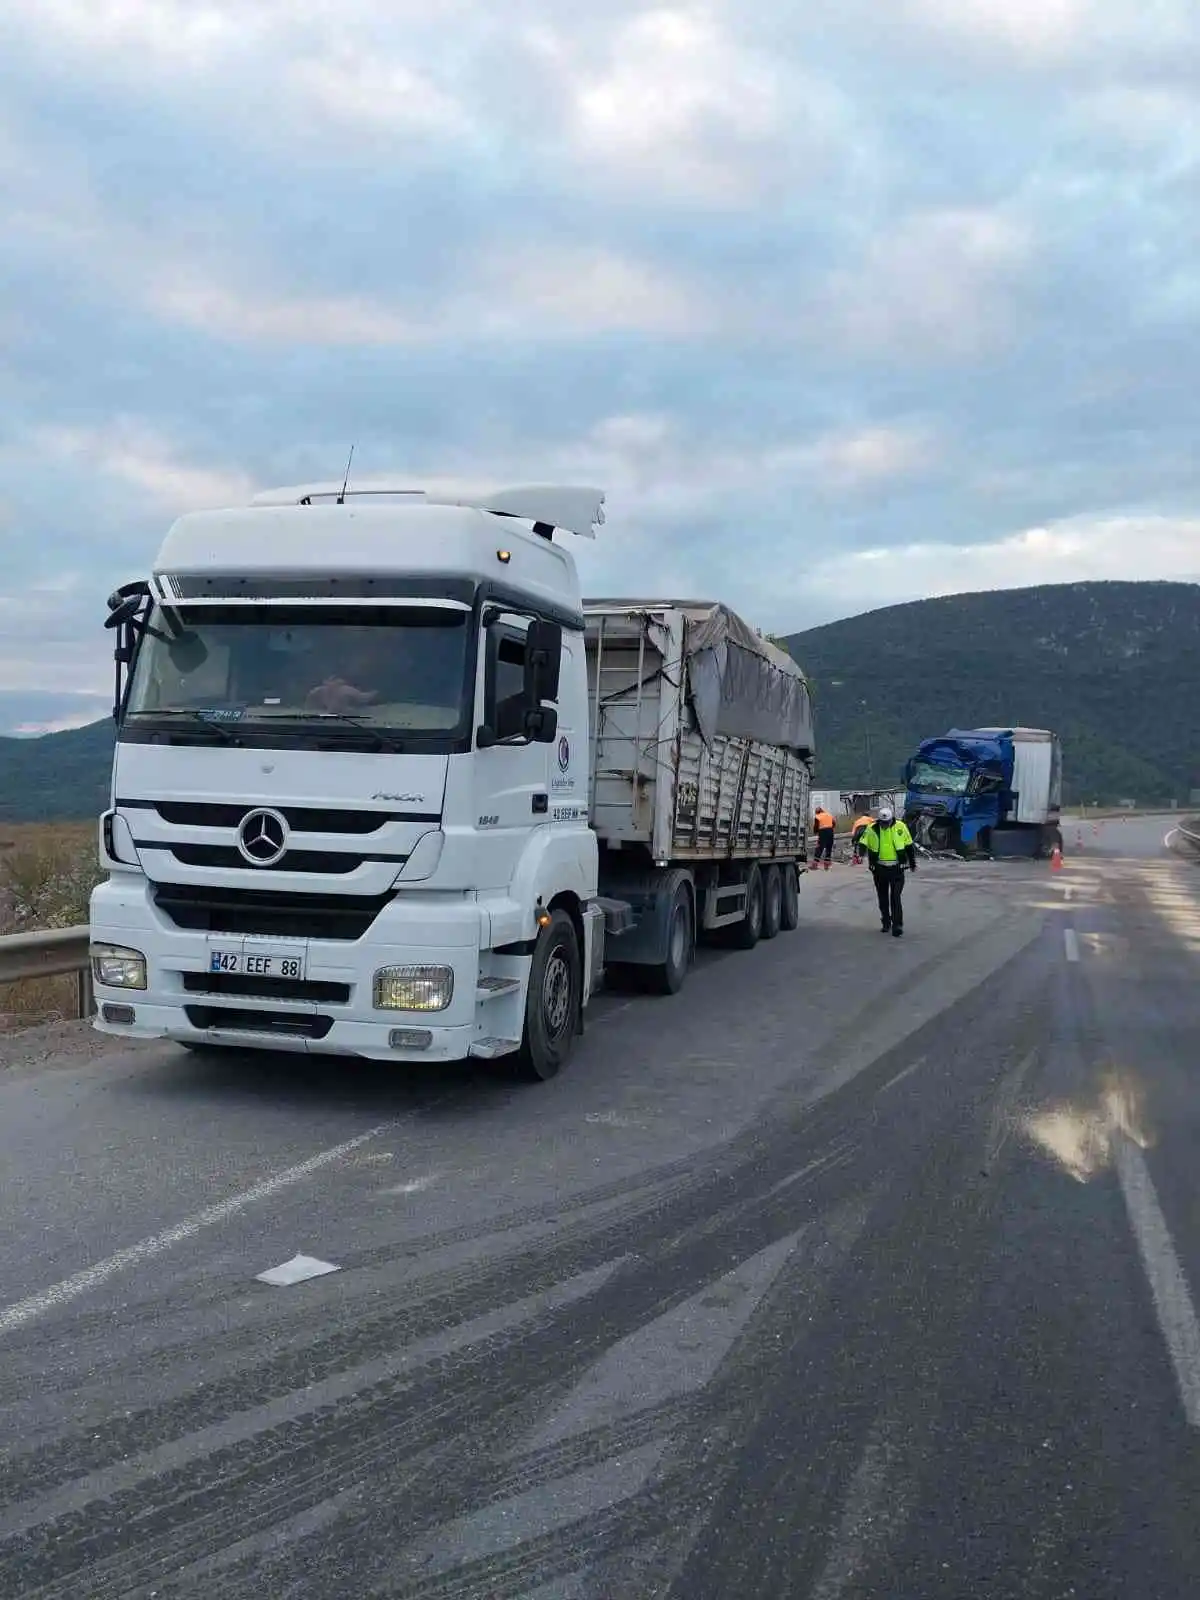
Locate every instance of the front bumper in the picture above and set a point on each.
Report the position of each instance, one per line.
(183, 1000)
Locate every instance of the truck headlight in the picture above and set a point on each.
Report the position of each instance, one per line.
(118, 968)
(413, 988)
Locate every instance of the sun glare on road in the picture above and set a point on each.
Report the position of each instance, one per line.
(1081, 1138)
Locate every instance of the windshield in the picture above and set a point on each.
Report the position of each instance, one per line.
(387, 667)
(934, 779)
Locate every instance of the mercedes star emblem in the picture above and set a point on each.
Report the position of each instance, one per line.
(262, 837)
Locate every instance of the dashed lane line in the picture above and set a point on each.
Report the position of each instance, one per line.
(99, 1273)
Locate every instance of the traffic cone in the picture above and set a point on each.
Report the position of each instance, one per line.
(1056, 860)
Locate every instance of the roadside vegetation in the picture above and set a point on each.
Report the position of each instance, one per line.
(47, 873)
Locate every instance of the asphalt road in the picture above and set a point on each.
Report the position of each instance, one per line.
(860, 1269)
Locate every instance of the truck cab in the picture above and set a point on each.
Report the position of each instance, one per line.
(349, 799)
(994, 791)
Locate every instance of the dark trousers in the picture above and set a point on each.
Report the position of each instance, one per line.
(825, 844)
(889, 886)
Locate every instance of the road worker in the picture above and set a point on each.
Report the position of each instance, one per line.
(824, 826)
(861, 824)
(890, 850)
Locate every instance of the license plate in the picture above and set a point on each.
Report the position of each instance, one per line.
(252, 965)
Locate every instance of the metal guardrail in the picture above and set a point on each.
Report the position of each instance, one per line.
(54, 953)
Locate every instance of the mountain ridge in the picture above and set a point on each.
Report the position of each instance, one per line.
(1112, 667)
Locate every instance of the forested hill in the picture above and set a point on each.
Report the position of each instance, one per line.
(1113, 667)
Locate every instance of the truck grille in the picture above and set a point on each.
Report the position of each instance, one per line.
(287, 1024)
(289, 916)
(225, 856)
(300, 819)
(246, 984)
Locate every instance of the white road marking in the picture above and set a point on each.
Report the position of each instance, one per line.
(414, 1185)
(298, 1270)
(80, 1283)
(1071, 940)
(907, 1072)
(1067, 891)
(1172, 1301)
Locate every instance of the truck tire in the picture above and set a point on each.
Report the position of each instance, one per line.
(552, 1001)
(940, 834)
(772, 902)
(789, 918)
(744, 935)
(667, 978)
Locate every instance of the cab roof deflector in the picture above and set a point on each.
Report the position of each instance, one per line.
(572, 507)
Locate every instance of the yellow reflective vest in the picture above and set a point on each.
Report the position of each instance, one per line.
(886, 845)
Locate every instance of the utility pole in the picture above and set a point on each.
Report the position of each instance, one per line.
(867, 738)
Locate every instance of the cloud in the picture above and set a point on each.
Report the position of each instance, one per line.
(1033, 29)
(680, 107)
(1067, 552)
(135, 456)
(795, 284)
(940, 282)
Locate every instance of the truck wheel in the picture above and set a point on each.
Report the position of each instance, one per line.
(789, 918)
(668, 977)
(940, 835)
(772, 903)
(744, 935)
(552, 1001)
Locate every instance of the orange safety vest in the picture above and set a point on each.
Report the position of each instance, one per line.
(823, 820)
(863, 822)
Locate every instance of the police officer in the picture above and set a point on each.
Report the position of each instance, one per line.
(889, 848)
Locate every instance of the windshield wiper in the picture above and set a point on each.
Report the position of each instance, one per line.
(382, 742)
(205, 721)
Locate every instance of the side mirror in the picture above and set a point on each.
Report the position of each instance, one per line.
(517, 722)
(543, 662)
(542, 725)
(124, 611)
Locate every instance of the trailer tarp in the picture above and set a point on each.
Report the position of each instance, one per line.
(743, 686)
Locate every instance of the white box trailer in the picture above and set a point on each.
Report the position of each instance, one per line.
(700, 771)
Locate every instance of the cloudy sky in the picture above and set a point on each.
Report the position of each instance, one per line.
(844, 302)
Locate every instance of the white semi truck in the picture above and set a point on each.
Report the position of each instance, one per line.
(385, 786)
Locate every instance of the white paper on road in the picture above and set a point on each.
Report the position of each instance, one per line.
(297, 1270)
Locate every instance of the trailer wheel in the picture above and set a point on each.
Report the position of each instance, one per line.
(772, 903)
(789, 918)
(552, 1001)
(744, 935)
(668, 976)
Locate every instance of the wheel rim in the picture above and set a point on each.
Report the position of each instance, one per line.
(679, 937)
(556, 994)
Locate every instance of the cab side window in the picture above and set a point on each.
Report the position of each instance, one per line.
(505, 671)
